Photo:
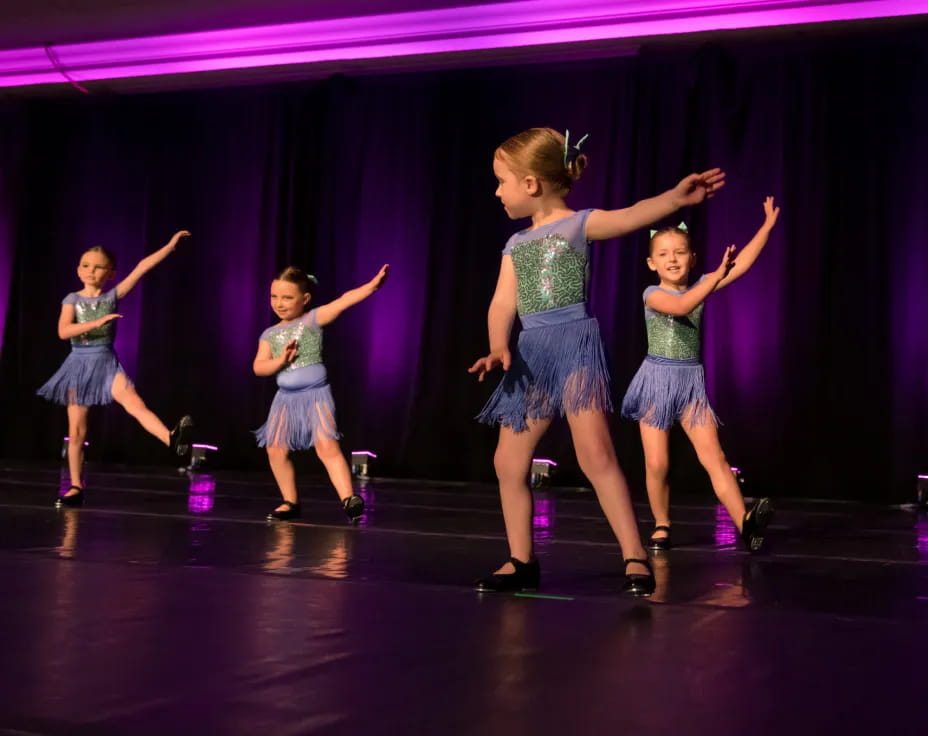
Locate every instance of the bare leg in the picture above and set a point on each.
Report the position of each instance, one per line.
(330, 453)
(282, 468)
(513, 461)
(705, 439)
(656, 444)
(596, 456)
(125, 395)
(77, 432)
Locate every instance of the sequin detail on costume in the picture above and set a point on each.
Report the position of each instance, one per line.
(674, 337)
(550, 274)
(87, 309)
(308, 341)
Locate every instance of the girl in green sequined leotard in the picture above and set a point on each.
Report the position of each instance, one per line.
(92, 375)
(558, 367)
(669, 387)
(302, 414)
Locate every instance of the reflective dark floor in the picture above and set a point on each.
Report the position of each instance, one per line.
(167, 605)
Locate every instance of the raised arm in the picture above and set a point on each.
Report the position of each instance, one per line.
(500, 317)
(68, 328)
(147, 264)
(605, 224)
(679, 305)
(751, 251)
(330, 312)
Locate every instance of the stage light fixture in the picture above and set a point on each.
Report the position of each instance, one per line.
(64, 447)
(362, 462)
(198, 455)
(542, 470)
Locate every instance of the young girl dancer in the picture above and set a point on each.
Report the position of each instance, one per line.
(559, 366)
(91, 375)
(303, 413)
(670, 385)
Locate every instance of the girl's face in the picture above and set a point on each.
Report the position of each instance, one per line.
(287, 301)
(671, 258)
(514, 190)
(94, 269)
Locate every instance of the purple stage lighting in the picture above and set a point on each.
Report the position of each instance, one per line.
(543, 519)
(202, 493)
(726, 533)
(459, 30)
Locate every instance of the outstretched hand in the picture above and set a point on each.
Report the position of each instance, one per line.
(697, 187)
(175, 239)
(771, 212)
(488, 363)
(109, 318)
(378, 280)
(727, 264)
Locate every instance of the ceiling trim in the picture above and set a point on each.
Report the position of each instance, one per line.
(446, 31)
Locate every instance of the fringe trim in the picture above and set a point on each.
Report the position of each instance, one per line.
(84, 379)
(557, 370)
(664, 392)
(297, 418)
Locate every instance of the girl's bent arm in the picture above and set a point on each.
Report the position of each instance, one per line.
(682, 304)
(330, 312)
(68, 328)
(266, 365)
(679, 305)
(147, 264)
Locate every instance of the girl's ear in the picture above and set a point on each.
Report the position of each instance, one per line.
(651, 264)
(531, 184)
(306, 297)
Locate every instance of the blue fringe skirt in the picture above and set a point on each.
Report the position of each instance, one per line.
(302, 409)
(665, 391)
(85, 378)
(559, 367)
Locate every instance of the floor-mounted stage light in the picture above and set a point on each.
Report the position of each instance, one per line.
(542, 470)
(198, 456)
(64, 447)
(362, 462)
(739, 476)
(922, 490)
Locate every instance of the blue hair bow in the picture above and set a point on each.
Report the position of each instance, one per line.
(571, 152)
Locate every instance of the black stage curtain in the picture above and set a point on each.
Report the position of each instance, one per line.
(816, 361)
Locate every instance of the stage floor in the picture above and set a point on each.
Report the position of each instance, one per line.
(168, 605)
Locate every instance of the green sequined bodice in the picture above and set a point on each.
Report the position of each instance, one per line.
(550, 274)
(88, 309)
(308, 340)
(674, 337)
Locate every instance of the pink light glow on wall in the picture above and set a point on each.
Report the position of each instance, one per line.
(459, 30)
